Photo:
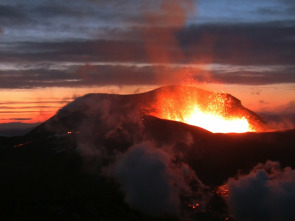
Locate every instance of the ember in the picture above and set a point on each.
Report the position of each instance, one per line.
(223, 191)
(21, 144)
(193, 206)
(70, 132)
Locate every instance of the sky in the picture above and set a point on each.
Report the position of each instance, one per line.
(54, 51)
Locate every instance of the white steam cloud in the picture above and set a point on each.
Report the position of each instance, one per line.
(266, 193)
(152, 183)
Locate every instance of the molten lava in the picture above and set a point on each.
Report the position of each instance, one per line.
(193, 206)
(216, 112)
(215, 122)
(223, 191)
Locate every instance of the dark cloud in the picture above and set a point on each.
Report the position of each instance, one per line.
(10, 15)
(263, 102)
(28, 79)
(27, 107)
(288, 2)
(100, 50)
(154, 34)
(51, 11)
(90, 16)
(291, 10)
(133, 74)
(20, 119)
(258, 43)
(10, 12)
(255, 78)
(266, 193)
(285, 7)
(270, 11)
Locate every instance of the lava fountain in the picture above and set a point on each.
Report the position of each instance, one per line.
(215, 112)
(215, 122)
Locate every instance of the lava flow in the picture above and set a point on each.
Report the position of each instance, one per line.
(215, 112)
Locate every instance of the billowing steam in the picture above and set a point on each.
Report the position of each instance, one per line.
(266, 193)
(153, 183)
(150, 183)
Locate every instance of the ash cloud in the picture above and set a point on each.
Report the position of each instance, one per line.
(266, 193)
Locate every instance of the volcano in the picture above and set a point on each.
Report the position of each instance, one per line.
(169, 102)
(131, 157)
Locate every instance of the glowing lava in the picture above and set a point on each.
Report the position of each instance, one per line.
(215, 112)
(216, 123)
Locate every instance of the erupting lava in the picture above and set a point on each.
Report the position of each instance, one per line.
(216, 112)
(215, 122)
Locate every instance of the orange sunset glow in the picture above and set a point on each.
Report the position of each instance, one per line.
(38, 105)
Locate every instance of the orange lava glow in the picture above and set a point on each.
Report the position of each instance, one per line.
(223, 191)
(193, 206)
(215, 122)
(215, 112)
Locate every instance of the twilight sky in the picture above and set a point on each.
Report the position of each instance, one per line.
(54, 50)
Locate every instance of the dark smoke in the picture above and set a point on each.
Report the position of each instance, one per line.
(266, 193)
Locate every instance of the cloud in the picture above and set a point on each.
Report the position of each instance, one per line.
(243, 44)
(139, 32)
(248, 43)
(270, 11)
(77, 18)
(255, 78)
(266, 193)
(287, 2)
(289, 108)
(64, 74)
(150, 181)
(63, 11)
(11, 13)
(20, 119)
